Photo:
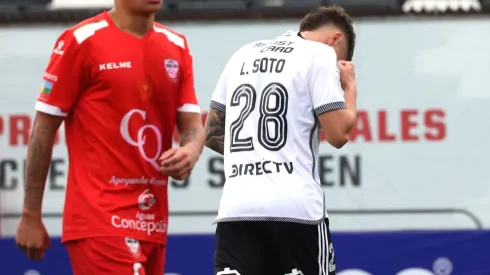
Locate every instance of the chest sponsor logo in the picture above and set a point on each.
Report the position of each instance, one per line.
(116, 180)
(146, 200)
(142, 221)
(115, 65)
(139, 140)
(172, 68)
(261, 168)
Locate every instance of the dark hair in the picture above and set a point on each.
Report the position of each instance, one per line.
(335, 15)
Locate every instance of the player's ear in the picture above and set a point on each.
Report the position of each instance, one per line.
(335, 38)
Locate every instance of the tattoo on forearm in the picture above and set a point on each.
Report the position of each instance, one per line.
(188, 135)
(37, 167)
(215, 130)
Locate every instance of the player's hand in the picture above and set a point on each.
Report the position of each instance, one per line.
(32, 237)
(178, 162)
(347, 74)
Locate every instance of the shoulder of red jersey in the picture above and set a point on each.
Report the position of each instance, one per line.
(86, 29)
(176, 38)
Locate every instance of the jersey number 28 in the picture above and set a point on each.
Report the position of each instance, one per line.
(273, 110)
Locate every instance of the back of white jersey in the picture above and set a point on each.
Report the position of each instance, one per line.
(272, 92)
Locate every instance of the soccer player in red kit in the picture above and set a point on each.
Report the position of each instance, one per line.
(121, 83)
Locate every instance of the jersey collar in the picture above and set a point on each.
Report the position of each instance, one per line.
(292, 35)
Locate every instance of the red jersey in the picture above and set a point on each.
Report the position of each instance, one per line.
(120, 95)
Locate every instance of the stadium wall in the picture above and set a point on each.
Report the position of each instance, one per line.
(415, 161)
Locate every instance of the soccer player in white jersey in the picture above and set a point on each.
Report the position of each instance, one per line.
(271, 101)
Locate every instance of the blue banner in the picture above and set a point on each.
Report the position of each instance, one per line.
(387, 253)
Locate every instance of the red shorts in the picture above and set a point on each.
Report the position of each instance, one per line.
(116, 255)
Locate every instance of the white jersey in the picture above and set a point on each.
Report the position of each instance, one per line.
(272, 92)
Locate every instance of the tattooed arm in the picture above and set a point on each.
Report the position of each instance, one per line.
(178, 162)
(38, 161)
(191, 131)
(215, 130)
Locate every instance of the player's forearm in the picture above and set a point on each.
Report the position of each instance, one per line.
(215, 130)
(193, 137)
(338, 125)
(350, 97)
(37, 166)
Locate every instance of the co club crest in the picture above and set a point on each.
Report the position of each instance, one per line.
(133, 247)
(172, 68)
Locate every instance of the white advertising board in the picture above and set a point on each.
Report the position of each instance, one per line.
(417, 160)
(70, 4)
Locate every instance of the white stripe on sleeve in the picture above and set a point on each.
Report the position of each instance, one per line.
(49, 109)
(191, 108)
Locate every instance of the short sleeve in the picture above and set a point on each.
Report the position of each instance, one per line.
(218, 99)
(64, 79)
(187, 98)
(324, 82)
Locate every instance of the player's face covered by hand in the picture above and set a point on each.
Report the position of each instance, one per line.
(144, 7)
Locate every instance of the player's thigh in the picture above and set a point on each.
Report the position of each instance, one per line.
(106, 256)
(239, 249)
(301, 249)
(156, 260)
